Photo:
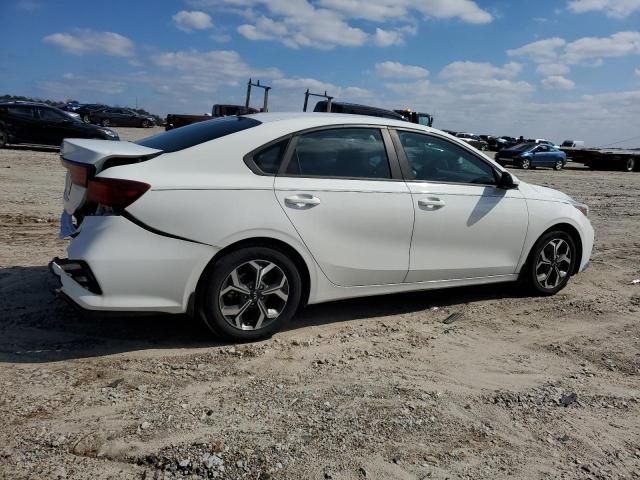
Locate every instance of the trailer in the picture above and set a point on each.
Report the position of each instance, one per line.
(605, 158)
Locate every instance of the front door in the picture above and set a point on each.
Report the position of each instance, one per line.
(356, 219)
(465, 227)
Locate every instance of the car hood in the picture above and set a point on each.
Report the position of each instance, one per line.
(537, 192)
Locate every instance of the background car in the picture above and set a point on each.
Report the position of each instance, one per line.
(473, 140)
(85, 109)
(242, 220)
(120, 117)
(531, 155)
(41, 124)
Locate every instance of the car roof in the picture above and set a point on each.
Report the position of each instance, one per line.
(321, 119)
(26, 104)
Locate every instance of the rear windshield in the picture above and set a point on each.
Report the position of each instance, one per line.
(197, 133)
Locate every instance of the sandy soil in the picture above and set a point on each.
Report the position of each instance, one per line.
(519, 387)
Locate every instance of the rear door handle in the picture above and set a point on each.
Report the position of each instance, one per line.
(302, 200)
(431, 202)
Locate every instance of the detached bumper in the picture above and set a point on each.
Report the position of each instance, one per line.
(133, 269)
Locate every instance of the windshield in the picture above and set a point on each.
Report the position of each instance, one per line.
(197, 133)
(523, 147)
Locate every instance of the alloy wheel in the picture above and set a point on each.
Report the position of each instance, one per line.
(525, 163)
(254, 295)
(553, 263)
(558, 165)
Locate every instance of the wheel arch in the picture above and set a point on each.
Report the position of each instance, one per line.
(569, 230)
(269, 242)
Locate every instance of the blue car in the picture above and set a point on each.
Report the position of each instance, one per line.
(531, 155)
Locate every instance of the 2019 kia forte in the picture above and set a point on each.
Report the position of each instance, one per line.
(242, 220)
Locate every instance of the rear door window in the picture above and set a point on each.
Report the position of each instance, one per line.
(342, 153)
(22, 112)
(267, 161)
(197, 133)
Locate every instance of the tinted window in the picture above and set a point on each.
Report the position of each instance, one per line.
(197, 133)
(269, 159)
(49, 115)
(23, 112)
(439, 160)
(341, 152)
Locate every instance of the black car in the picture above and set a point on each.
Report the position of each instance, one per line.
(40, 124)
(121, 117)
(84, 109)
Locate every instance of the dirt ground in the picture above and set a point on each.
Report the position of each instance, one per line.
(519, 387)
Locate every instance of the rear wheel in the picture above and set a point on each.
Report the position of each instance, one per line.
(145, 124)
(551, 263)
(86, 119)
(105, 122)
(4, 138)
(558, 165)
(250, 293)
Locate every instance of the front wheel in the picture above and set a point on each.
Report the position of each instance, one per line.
(552, 262)
(4, 138)
(105, 122)
(145, 124)
(558, 165)
(629, 165)
(250, 293)
(525, 164)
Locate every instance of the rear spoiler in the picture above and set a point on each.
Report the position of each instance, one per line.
(97, 152)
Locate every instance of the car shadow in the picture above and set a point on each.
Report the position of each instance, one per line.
(32, 148)
(37, 326)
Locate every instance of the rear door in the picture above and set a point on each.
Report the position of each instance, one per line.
(342, 190)
(22, 124)
(465, 226)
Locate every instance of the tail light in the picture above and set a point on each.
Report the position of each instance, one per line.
(80, 173)
(114, 192)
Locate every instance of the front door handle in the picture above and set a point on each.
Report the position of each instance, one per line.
(302, 200)
(432, 203)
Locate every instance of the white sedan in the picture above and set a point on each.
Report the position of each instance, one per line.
(243, 220)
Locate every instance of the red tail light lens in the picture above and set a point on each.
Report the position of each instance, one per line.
(115, 193)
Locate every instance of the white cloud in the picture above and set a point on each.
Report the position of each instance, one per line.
(541, 51)
(548, 69)
(471, 71)
(558, 82)
(596, 48)
(381, 10)
(387, 38)
(192, 20)
(400, 71)
(612, 8)
(87, 41)
(637, 72)
(72, 85)
(305, 26)
(326, 24)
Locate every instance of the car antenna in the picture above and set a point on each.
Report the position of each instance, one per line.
(308, 94)
(266, 89)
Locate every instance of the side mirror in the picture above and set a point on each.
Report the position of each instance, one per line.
(507, 181)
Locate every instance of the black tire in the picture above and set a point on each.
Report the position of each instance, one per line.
(559, 165)
(86, 119)
(629, 165)
(533, 272)
(145, 124)
(525, 164)
(217, 278)
(105, 122)
(4, 138)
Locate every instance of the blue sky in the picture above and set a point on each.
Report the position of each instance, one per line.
(555, 69)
